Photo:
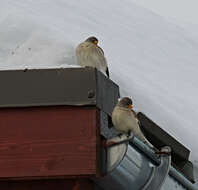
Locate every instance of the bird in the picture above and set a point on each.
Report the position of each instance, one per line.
(125, 120)
(89, 54)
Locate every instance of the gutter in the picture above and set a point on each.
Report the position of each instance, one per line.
(172, 171)
(181, 179)
(138, 167)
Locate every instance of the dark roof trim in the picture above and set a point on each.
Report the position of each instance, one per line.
(62, 86)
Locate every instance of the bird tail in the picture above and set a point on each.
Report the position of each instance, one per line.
(107, 72)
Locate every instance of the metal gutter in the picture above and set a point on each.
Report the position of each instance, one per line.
(181, 179)
(135, 142)
(133, 172)
(133, 169)
(142, 169)
(172, 171)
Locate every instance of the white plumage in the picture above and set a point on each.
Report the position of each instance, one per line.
(90, 54)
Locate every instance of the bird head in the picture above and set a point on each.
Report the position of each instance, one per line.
(92, 39)
(126, 103)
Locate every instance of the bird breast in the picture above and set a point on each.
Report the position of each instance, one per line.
(124, 120)
(89, 54)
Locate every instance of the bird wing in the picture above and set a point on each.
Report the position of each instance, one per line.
(137, 131)
(124, 120)
(107, 69)
(107, 72)
(132, 123)
(89, 54)
(98, 56)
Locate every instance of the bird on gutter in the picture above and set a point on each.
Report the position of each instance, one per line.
(125, 120)
(89, 54)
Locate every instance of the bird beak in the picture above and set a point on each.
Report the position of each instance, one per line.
(130, 106)
(95, 42)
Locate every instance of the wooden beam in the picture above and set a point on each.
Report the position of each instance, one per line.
(48, 142)
(69, 184)
(60, 86)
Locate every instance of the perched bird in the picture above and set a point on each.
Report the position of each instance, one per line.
(125, 120)
(90, 54)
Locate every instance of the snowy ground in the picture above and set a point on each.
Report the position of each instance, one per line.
(153, 60)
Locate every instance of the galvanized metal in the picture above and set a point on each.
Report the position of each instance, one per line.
(178, 177)
(142, 169)
(160, 172)
(135, 170)
(171, 183)
(181, 179)
(133, 173)
(115, 154)
(145, 150)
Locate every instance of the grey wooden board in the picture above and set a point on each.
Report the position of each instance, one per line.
(63, 86)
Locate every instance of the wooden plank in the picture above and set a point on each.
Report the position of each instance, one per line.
(36, 87)
(107, 93)
(60, 86)
(69, 184)
(48, 141)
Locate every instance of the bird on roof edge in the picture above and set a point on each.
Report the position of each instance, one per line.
(89, 54)
(125, 120)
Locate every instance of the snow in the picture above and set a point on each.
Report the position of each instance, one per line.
(153, 60)
(184, 10)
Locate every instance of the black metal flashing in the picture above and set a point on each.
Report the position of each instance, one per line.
(159, 138)
(63, 86)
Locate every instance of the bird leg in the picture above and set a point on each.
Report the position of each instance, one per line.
(129, 133)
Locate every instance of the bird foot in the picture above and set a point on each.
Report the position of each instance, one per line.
(164, 151)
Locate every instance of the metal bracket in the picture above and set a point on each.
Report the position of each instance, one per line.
(159, 173)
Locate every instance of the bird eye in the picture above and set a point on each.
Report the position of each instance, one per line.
(95, 42)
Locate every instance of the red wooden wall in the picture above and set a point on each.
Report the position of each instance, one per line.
(48, 142)
(68, 184)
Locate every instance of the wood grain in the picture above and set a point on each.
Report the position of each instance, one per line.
(48, 141)
(76, 184)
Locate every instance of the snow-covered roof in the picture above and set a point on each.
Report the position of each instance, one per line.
(152, 59)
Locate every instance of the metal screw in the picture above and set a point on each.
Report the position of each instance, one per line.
(91, 94)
